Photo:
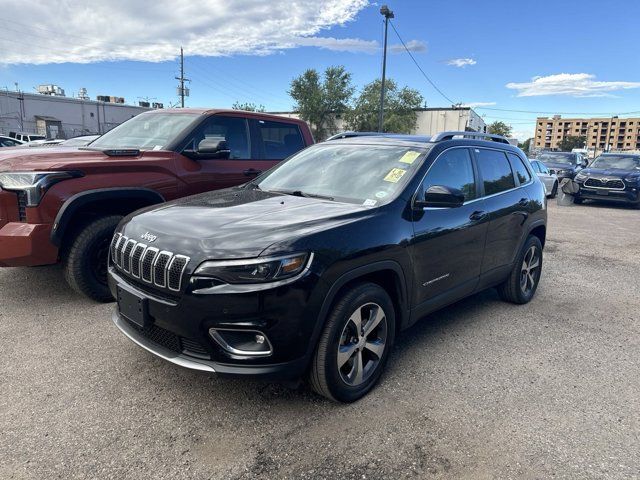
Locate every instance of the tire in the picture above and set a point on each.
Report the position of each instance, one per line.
(554, 190)
(342, 383)
(85, 260)
(518, 289)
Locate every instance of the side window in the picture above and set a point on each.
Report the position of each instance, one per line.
(519, 168)
(233, 130)
(279, 139)
(495, 170)
(453, 169)
(543, 168)
(536, 167)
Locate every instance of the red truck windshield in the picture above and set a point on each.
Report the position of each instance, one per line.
(146, 131)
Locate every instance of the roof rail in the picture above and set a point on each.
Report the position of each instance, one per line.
(478, 135)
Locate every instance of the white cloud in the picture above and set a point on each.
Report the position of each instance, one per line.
(478, 104)
(461, 62)
(523, 135)
(571, 84)
(84, 32)
(338, 44)
(412, 46)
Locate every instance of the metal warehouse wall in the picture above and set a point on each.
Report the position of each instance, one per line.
(79, 117)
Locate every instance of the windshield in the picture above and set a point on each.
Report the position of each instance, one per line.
(623, 162)
(153, 131)
(558, 157)
(370, 175)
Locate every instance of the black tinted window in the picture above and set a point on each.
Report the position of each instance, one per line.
(279, 139)
(453, 169)
(519, 168)
(495, 170)
(231, 129)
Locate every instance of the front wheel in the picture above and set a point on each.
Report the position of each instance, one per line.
(523, 280)
(85, 261)
(355, 344)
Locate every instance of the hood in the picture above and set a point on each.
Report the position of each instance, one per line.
(560, 165)
(49, 158)
(237, 223)
(611, 172)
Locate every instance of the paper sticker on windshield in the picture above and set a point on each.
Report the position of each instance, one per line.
(394, 175)
(369, 203)
(409, 157)
(381, 194)
(157, 147)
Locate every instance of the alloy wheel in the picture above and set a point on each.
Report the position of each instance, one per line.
(530, 270)
(362, 344)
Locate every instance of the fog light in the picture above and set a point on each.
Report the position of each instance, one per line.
(251, 343)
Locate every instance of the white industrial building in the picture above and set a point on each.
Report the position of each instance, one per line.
(431, 120)
(58, 116)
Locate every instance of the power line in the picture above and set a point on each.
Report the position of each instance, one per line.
(419, 67)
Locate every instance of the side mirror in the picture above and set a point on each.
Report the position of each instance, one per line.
(440, 196)
(213, 147)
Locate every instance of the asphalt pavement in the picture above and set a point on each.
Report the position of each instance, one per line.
(482, 389)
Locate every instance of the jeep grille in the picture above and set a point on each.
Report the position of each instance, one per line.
(160, 268)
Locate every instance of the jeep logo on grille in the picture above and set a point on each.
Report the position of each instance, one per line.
(149, 237)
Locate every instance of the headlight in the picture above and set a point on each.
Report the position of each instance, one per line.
(632, 179)
(34, 184)
(257, 270)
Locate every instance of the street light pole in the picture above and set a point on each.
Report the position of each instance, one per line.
(384, 10)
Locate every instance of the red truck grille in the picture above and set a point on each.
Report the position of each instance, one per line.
(22, 206)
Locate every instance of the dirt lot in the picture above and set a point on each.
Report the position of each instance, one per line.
(479, 390)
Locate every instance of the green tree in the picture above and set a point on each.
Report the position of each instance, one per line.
(524, 146)
(248, 106)
(570, 142)
(400, 106)
(499, 128)
(321, 99)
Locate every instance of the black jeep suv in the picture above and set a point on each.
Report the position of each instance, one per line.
(612, 177)
(316, 265)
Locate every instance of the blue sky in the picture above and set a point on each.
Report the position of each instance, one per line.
(581, 53)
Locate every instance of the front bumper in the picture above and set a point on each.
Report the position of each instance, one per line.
(26, 244)
(628, 195)
(178, 327)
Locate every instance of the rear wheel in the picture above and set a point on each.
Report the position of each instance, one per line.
(523, 280)
(85, 261)
(355, 344)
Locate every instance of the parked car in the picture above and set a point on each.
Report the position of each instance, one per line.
(9, 142)
(317, 264)
(550, 180)
(62, 204)
(563, 164)
(612, 177)
(26, 137)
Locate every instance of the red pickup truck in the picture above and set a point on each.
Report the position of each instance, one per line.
(63, 204)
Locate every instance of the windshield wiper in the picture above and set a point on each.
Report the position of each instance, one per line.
(300, 193)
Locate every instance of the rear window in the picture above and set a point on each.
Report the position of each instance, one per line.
(495, 170)
(279, 139)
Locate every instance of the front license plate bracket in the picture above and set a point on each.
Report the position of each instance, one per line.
(133, 308)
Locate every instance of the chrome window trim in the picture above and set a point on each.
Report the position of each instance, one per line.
(475, 199)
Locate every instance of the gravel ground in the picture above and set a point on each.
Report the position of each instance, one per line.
(481, 389)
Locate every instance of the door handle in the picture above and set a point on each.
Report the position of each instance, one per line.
(252, 171)
(523, 202)
(477, 215)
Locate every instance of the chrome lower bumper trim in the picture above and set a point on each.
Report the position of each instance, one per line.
(158, 350)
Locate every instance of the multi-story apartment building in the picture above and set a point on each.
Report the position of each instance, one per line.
(602, 134)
